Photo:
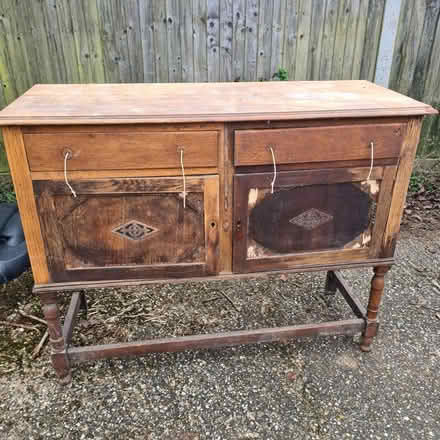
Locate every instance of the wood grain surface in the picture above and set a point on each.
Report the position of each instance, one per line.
(137, 103)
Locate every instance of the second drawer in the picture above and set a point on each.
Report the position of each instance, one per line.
(116, 151)
(317, 144)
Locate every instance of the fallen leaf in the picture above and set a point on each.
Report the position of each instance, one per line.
(291, 375)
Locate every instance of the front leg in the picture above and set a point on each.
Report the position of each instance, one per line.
(377, 286)
(60, 361)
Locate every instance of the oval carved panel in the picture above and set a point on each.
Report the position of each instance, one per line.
(310, 217)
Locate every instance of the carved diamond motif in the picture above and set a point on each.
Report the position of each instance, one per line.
(311, 219)
(134, 230)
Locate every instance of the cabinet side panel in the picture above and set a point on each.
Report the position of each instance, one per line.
(26, 202)
(400, 188)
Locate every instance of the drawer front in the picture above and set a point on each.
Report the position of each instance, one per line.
(114, 151)
(317, 144)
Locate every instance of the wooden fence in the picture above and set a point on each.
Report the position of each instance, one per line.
(71, 41)
(416, 62)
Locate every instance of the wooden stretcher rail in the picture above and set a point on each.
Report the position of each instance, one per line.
(78, 355)
(349, 296)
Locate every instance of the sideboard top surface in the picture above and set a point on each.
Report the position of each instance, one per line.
(211, 102)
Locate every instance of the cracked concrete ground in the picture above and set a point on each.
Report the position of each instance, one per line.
(322, 388)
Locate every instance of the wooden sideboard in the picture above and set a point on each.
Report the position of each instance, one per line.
(138, 183)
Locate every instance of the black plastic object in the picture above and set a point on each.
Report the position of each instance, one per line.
(14, 258)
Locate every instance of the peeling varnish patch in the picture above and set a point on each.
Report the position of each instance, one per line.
(253, 197)
(251, 252)
(366, 238)
(361, 241)
(373, 186)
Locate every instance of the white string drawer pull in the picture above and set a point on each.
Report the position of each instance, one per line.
(274, 169)
(183, 177)
(66, 157)
(372, 159)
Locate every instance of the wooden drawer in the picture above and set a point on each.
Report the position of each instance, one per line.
(317, 144)
(114, 151)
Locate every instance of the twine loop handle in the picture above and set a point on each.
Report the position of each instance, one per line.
(372, 159)
(67, 156)
(183, 176)
(274, 169)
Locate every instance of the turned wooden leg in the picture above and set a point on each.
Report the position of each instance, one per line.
(60, 361)
(330, 284)
(377, 285)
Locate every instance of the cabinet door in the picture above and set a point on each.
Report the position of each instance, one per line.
(314, 217)
(129, 228)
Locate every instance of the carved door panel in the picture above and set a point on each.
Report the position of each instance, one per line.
(314, 217)
(129, 228)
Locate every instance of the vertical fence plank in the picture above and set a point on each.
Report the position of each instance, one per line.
(25, 56)
(173, 37)
(39, 41)
(186, 40)
(318, 18)
(403, 29)
(12, 59)
(147, 39)
(226, 30)
(374, 27)
(264, 39)
(425, 49)
(412, 44)
(238, 39)
(133, 36)
(96, 52)
(160, 40)
(213, 40)
(328, 40)
(411, 47)
(81, 41)
(53, 34)
(290, 37)
(432, 87)
(67, 42)
(200, 17)
(110, 51)
(250, 67)
(9, 91)
(340, 39)
(277, 47)
(120, 28)
(360, 40)
(350, 41)
(303, 39)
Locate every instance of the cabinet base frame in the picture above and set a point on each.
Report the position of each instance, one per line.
(66, 356)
